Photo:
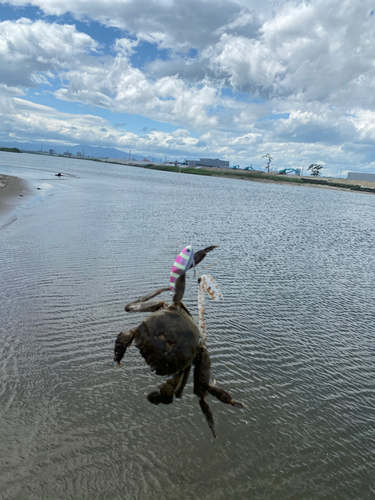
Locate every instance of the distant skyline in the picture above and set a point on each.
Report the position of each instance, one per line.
(215, 78)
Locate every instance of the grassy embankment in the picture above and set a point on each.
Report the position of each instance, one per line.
(261, 176)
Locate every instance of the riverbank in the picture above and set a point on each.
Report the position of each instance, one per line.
(258, 176)
(11, 188)
(247, 175)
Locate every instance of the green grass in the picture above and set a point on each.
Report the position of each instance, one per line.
(11, 150)
(172, 168)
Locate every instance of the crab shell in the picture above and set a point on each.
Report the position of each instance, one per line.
(168, 340)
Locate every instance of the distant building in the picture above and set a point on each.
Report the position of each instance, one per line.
(67, 153)
(208, 162)
(79, 153)
(51, 152)
(358, 176)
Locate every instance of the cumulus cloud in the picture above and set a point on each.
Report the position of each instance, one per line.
(317, 51)
(118, 86)
(23, 120)
(30, 51)
(170, 24)
(35, 53)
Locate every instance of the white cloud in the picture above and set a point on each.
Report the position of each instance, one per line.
(29, 51)
(23, 120)
(170, 23)
(321, 51)
(35, 53)
(248, 63)
(117, 85)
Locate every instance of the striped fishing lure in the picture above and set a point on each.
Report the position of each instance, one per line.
(183, 262)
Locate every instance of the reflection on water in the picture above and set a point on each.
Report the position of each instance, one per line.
(293, 338)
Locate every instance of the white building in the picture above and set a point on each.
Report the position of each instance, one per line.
(208, 162)
(358, 176)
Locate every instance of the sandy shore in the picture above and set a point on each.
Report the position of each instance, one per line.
(11, 188)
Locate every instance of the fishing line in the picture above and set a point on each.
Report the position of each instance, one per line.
(213, 263)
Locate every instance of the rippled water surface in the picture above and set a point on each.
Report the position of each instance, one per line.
(293, 338)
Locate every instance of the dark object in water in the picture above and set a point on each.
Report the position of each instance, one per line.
(170, 342)
(59, 175)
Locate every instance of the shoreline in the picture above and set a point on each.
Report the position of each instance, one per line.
(334, 183)
(273, 177)
(11, 188)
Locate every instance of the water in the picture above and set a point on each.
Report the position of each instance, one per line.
(293, 338)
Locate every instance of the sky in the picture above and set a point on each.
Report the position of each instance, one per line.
(228, 79)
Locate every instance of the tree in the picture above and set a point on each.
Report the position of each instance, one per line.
(269, 161)
(315, 169)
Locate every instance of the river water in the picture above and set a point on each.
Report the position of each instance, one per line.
(293, 337)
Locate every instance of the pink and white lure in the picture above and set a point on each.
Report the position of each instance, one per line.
(183, 263)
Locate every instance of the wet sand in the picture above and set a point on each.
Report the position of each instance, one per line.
(11, 188)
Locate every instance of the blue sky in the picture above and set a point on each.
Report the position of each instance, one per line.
(215, 78)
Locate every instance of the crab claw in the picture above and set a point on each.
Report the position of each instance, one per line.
(201, 254)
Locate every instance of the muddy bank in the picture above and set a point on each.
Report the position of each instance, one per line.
(11, 190)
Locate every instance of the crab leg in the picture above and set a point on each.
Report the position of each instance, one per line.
(123, 341)
(202, 386)
(201, 381)
(224, 396)
(165, 393)
(208, 414)
(148, 306)
(136, 305)
(179, 289)
(184, 379)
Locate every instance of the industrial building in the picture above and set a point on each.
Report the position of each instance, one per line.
(208, 162)
(358, 176)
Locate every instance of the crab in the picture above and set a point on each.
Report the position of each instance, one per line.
(171, 342)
